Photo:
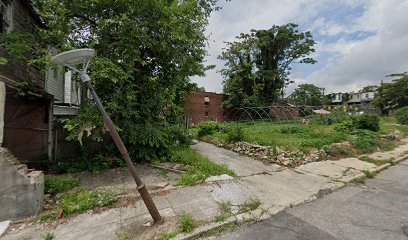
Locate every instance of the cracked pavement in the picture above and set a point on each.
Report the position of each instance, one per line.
(377, 210)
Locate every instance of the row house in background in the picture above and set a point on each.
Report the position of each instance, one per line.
(205, 106)
(27, 126)
(352, 98)
(26, 108)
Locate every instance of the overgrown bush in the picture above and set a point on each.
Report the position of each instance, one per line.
(207, 128)
(345, 126)
(366, 141)
(402, 115)
(235, 134)
(58, 184)
(369, 122)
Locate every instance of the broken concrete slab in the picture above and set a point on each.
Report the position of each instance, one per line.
(330, 170)
(241, 165)
(195, 201)
(231, 191)
(354, 163)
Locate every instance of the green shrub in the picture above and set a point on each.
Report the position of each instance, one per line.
(402, 115)
(327, 149)
(292, 129)
(83, 200)
(207, 128)
(369, 122)
(235, 134)
(366, 141)
(58, 184)
(346, 126)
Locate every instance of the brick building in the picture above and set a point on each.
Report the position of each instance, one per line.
(204, 106)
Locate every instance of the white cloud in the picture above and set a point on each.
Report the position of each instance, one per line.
(367, 61)
(353, 61)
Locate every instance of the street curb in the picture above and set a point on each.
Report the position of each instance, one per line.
(259, 214)
(256, 216)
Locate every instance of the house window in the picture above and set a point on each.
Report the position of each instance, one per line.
(5, 17)
(206, 114)
(357, 96)
(206, 100)
(367, 95)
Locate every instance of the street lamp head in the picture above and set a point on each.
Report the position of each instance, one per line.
(73, 58)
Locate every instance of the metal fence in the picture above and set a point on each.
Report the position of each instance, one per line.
(298, 113)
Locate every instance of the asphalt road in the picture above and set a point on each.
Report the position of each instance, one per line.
(378, 210)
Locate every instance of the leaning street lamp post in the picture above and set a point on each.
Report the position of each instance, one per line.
(79, 57)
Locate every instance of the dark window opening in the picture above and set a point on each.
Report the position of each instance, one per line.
(206, 114)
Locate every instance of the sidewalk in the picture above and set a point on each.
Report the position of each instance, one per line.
(276, 188)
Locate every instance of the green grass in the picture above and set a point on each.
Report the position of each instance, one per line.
(373, 161)
(386, 126)
(360, 180)
(84, 200)
(305, 137)
(199, 167)
(293, 136)
(168, 235)
(186, 223)
(225, 207)
(49, 236)
(222, 217)
(45, 216)
(369, 174)
(59, 184)
(250, 205)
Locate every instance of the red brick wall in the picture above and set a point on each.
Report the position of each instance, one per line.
(196, 109)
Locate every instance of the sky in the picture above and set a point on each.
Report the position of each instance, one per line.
(358, 42)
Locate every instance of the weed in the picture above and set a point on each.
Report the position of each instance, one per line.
(168, 235)
(359, 180)
(235, 135)
(327, 149)
(371, 160)
(391, 161)
(369, 174)
(49, 236)
(250, 205)
(58, 184)
(366, 141)
(45, 216)
(123, 236)
(186, 223)
(225, 207)
(199, 167)
(83, 200)
(222, 217)
(164, 172)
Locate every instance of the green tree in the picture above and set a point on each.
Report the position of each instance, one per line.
(307, 94)
(370, 88)
(393, 95)
(146, 52)
(258, 64)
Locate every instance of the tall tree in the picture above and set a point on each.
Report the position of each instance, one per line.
(307, 94)
(393, 95)
(258, 64)
(146, 52)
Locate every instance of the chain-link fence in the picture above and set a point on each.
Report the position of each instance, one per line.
(292, 113)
